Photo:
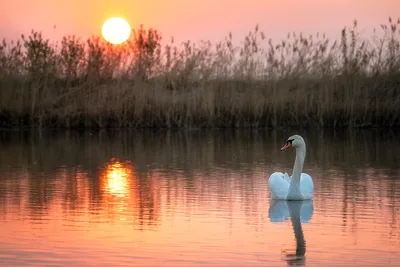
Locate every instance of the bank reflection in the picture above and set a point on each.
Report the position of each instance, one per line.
(299, 212)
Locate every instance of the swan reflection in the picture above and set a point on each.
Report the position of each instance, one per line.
(299, 212)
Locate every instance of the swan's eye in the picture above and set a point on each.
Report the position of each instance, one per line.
(289, 141)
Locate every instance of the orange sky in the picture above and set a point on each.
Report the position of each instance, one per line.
(194, 20)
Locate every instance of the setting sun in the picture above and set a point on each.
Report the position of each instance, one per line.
(116, 30)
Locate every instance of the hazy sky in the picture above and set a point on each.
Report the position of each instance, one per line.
(195, 19)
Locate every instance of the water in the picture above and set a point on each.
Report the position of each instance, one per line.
(196, 198)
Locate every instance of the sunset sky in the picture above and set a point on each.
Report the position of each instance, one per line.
(194, 20)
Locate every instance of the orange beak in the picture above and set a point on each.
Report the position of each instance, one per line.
(286, 146)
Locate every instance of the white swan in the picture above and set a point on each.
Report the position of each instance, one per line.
(299, 186)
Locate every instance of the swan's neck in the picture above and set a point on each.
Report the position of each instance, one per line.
(294, 188)
(299, 162)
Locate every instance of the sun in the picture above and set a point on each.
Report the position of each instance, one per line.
(116, 30)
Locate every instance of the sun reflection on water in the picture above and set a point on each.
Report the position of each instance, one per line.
(117, 185)
(117, 178)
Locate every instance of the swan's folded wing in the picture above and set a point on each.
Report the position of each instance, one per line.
(306, 186)
(286, 177)
(278, 185)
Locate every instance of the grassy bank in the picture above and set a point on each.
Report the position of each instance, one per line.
(300, 81)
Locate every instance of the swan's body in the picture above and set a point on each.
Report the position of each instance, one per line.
(279, 184)
(299, 186)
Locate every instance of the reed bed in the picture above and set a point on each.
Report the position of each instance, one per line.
(300, 81)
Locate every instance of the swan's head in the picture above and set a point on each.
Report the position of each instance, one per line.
(293, 141)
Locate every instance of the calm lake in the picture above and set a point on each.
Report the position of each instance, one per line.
(197, 198)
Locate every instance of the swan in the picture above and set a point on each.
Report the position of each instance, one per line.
(300, 185)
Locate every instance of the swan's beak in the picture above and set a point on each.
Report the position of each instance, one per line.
(286, 146)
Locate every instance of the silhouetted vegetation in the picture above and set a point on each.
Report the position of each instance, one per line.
(301, 81)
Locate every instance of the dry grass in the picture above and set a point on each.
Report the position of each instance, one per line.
(301, 81)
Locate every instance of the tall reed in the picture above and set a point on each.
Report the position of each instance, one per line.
(299, 81)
